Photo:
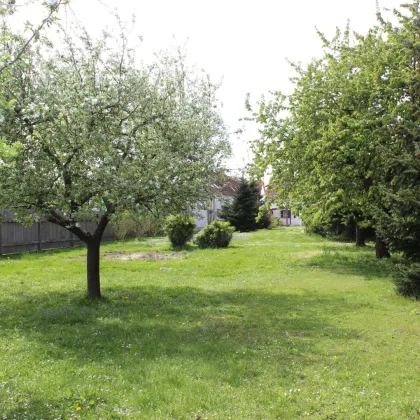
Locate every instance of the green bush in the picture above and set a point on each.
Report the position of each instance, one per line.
(130, 224)
(264, 219)
(217, 234)
(147, 226)
(407, 280)
(122, 225)
(180, 229)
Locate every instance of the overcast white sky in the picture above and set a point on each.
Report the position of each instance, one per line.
(244, 42)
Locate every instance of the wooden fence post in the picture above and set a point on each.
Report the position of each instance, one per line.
(39, 236)
(1, 238)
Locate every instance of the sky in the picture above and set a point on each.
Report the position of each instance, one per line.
(242, 43)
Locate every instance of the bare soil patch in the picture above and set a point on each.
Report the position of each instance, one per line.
(122, 256)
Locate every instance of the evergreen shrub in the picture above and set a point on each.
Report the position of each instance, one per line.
(179, 228)
(217, 234)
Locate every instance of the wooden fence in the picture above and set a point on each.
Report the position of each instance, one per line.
(16, 238)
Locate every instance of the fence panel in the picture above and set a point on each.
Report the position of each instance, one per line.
(16, 238)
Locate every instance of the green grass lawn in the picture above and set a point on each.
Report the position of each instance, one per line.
(280, 325)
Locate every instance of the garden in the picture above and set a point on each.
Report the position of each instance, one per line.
(280, 324)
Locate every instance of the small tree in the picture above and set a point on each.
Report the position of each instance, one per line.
(264, 217)
(91, 135)
(243, 211)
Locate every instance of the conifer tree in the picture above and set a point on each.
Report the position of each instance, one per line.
(243, 211)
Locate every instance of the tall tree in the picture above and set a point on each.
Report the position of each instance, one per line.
(94, 134)
(398, 199)
(327, 156)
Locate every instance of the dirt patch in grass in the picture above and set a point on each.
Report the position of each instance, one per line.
(122, 256)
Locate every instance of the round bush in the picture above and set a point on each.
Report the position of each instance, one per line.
(180, 229)
(215, 235)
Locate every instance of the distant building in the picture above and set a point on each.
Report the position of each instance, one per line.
(223, 192)
(285, 215)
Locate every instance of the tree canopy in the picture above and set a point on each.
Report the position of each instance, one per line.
(344, 146)
(91, 133)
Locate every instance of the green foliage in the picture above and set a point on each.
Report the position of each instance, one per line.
(243, 211)
(179, 228)
(264, 217)
(146, 225)
(343, 147)
(407, 280)
(135, 225)
(99, 133)
(217, 234)
(122, 225)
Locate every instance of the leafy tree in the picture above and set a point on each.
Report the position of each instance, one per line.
(342, 147)
(243, 211)
(14, 46)
(94, 135)
(398, 199)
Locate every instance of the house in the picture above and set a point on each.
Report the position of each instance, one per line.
(223, 192)
(285, 215)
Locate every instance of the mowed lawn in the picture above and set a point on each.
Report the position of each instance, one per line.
(280, 325)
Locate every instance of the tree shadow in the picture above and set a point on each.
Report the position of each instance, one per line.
(226, 331)
(351, 261)
(187, 322)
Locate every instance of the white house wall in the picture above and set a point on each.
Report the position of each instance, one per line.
(204, 217)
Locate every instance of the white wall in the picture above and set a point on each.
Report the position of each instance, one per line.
(203, 217)
(296, 221)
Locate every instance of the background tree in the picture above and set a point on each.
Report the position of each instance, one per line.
(94, 135)
(327, 156)
(243, 210)
(344, 146)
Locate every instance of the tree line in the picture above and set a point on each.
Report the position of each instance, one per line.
(344, 147)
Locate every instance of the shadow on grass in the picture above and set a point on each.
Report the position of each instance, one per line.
(186, 248)
(351, 261)
(240, 335)
(173, 322)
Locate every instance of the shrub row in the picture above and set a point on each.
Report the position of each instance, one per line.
(180, 230)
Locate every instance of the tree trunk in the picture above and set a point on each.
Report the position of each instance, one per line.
(93, 242)
(381, 249)
(360, 236)
(93, 259)
(93, 278)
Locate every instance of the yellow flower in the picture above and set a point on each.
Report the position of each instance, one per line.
(78, 408)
